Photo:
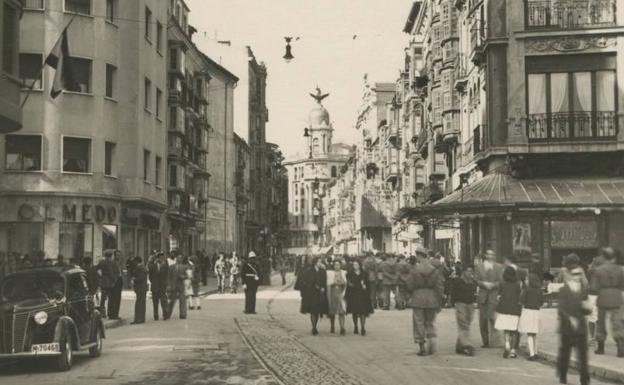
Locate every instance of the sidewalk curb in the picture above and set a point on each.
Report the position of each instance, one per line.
(115, 323)
(594, 370)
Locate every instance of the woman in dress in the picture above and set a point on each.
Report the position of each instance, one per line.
(336, 286)
(531, 300)
(358, 297)
(311, 283)
(508, 310)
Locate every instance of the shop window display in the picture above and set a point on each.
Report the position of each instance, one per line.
(76, 241)
(18, 240)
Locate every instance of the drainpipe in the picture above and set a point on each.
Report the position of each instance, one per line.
(227, 83)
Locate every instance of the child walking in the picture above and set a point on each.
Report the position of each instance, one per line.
(531, 300)
(508, 310)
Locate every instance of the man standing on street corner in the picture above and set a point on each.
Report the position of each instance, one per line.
(139, 284)
(115, 298)
(251, 279)
(370, 268)
(608, 282)
(488, 275)
(390, 273)
(158, 269)
(175, 285)
(426, 284)
(109, 271)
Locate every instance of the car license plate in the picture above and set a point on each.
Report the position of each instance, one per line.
(46, 348)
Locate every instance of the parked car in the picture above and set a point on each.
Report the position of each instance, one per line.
(48, 312)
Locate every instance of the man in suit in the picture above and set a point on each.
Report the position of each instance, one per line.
(251, 278)
(139, 283)
(488, 275)
(158, 270)
(109, 271)
(114, 302)
(370, 268)
(426, 284)
(608, 282)
(176, 275)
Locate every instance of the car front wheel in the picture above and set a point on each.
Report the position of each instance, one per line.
(64, 361)
(96, 351)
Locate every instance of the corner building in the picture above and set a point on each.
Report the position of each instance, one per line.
(87, 171)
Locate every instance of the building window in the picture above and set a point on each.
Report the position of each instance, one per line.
(565, 105)
(157, 168)
(110, 10)
(109, 158)
(334, 172)
(10, 33)
(19, 238)
(76, 154)
(78, 6)
(34, 4)
(111, 74)
(556, 14)
(82, 75)
(316, 146)
(148, 24)
(76, 241)
(158, 102)
(146, 158)
(23, 152)
(159, 35)
(173, 175)
(148, 93)
(30, 70)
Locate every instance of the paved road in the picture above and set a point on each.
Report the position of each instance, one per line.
(387, 354)
(206, 348)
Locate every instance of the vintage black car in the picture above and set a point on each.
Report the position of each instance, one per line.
(48, 312)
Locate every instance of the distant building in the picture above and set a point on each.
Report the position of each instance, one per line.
(308, 179)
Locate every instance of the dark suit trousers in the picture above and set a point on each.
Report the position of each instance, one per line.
(139, 306)
(114, 301)
(177, 295)
(250, 298)
(106, 292)
(160, 298)
(568, 341)
(487, 316)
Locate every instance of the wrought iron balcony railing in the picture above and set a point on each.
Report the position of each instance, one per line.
(570, 14)
(572, 125)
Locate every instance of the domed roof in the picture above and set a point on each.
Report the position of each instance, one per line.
(318, 116)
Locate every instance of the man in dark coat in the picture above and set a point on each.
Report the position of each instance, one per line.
(158, 270)
(426, 283)
(176, 274)
(572, 321)
(250, 276)
(608, 282)
(115, 298)
(139, 283)
(93, 278)
(488, 275)
(110, 272)
(370, 268)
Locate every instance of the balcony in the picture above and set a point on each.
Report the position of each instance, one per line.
(461, 73)
(570, 14)
(392, 172)
(478, 34)
(393, 139)
(577, 125)
(478, 136)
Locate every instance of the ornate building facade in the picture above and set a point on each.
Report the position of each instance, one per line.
(308, 180)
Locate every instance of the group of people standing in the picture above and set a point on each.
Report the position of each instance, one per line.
(227, 270)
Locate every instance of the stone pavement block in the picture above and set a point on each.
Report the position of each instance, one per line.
(288, 358)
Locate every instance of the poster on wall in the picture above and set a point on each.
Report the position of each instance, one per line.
(574, 234)
(521, 239)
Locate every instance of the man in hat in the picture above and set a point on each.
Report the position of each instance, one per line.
(488, 275)
(158, 272)
(389, 270)
(426, 284)
(608, 283)
(109, 272)
(370, 268)
(251, 278)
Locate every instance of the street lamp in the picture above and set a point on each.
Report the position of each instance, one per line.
(306, 134)
(288, 56)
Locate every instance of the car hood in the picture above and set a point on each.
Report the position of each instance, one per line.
(27, 304)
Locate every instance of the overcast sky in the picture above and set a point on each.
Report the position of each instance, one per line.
(326, 54)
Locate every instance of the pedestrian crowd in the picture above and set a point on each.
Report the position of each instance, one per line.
(507, 297)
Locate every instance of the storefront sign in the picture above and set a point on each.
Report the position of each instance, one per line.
(89, 213)
(574, 234)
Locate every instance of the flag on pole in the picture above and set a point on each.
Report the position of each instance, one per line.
(60, 60)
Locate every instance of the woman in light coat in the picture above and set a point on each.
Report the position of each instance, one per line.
(336, 286)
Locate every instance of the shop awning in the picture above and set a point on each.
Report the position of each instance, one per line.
(501, 191)
(371, 217)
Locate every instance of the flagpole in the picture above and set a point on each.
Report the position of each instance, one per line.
(39, 75)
